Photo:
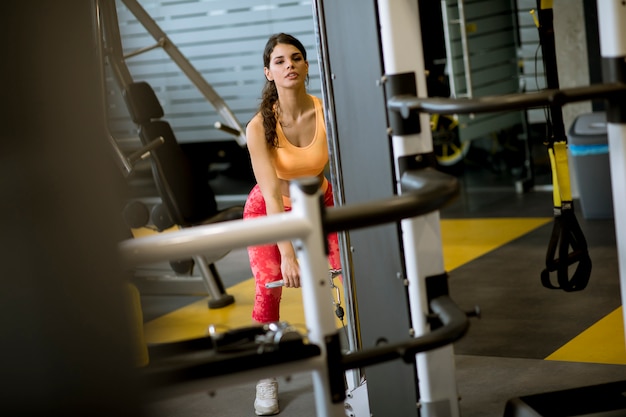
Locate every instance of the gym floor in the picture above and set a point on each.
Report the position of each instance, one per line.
(529, 339)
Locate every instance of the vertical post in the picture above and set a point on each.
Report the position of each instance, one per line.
(401, 40)
(356, 116)
(612, 24)
(317, 298)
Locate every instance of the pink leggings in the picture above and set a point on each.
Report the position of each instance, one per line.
(265, 260)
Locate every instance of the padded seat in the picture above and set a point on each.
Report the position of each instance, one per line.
(187, 199)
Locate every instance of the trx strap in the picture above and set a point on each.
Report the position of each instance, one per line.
(566, 231)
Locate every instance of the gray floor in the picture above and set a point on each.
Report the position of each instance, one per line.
(485, 384)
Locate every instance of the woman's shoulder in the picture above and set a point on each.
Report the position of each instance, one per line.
(316, 99)
(255, 132)
(255, 123)
(319, 108)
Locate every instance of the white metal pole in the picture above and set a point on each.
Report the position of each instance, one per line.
(402, 52)
(612, 24)
(316, 291)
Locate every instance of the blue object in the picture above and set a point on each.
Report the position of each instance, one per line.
(588, 145)
(582, 150)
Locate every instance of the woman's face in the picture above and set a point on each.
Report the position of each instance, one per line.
(287, 66)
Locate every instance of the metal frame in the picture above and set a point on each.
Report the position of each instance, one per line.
(394, 274)
(307, 225)
(232, 126)
(401, 53)
(464, 45)
(110, 47)
(110, 51)
(421, 237)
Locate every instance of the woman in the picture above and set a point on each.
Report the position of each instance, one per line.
(286, 140)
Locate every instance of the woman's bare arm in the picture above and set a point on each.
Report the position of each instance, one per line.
(270, 185)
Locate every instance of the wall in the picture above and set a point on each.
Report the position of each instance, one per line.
(224, 41)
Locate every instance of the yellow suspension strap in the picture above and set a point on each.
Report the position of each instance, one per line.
(566, 231)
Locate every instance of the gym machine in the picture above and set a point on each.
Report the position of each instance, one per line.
(375, 60)
(183, 198)
(373, 57)
(244, 355)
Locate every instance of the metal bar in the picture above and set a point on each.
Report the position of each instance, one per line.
(113, 45)
(465, 47)
(430, 191)
(160, 43)
(144, 152)
(354, 378)
(505, 102)
(226, 128)
(210, 284)
(215, 238)
(124, 163)
(455, 325)
(448, 43)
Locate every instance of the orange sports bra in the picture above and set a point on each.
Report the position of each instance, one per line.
(292, 161)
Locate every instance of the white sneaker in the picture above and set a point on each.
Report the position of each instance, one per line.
(266, 402)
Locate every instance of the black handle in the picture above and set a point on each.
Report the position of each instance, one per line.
(455, 325)
(426, 189)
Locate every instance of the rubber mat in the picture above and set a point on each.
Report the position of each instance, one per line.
(521, 318)
(467, 239)
(601, 343)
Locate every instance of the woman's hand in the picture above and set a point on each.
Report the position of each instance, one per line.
(291, 272)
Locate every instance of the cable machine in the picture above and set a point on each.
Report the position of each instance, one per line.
(385, 76)
(400, 265)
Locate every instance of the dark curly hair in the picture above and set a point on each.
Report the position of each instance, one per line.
(269, 95)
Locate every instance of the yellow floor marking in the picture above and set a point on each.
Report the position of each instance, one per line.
(145, 231)
(463, 241)
(601, 343)
(467, 239)
(194, 319)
